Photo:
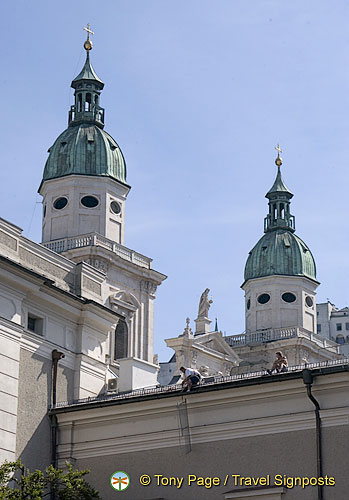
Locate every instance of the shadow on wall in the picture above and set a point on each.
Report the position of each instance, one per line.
(37, 452)
(33, 445)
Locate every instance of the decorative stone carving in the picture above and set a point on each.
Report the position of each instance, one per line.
(148, 287)
(155, 359)
(226, 369)
(194, 358)
(100, 264)
(187, 330)
(204, 370)
(125, 303)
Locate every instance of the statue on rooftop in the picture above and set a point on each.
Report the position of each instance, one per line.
(204, 304)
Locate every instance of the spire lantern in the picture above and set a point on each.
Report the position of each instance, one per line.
(88, 87)
(279, 196)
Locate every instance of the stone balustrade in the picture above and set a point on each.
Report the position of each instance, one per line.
(95, 239)
(272, 334)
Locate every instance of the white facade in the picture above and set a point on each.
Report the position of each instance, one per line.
(75, 219)
(277, 312)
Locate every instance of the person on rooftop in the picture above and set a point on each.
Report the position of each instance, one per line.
(192, 378)
(280, 364)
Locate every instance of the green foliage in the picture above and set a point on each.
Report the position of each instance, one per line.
(18, 483)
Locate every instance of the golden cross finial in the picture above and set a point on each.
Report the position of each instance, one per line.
(88, 42)
(278, 149)
(278, 160)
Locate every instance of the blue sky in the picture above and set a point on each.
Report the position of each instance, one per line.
(197, 94)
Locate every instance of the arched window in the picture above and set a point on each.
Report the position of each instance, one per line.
(282, 210)
(79, 103)
(275, 211)
(121, 340)
(88, 102)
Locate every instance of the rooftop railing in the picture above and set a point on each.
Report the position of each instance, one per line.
(206, 381)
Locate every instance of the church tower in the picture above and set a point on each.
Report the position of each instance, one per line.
(84, 185)
(280, 273)
(84, 193)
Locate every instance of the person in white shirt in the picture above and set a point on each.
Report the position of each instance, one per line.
(191, 377)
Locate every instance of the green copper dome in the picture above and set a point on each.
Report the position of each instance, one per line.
(84, 148)
(280, 252)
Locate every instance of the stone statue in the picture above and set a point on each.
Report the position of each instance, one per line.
(204, 304)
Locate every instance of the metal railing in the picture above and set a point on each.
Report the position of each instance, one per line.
(206, 381)
(95, 239)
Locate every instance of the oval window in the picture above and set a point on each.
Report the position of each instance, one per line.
(309, 301)
(89, 201)
(248, 305)
(264, 298)
(60, 203)
(288, 297)
(115, 207)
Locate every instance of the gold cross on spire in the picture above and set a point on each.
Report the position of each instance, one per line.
(278, 160)
(278, 149)
(88, 43)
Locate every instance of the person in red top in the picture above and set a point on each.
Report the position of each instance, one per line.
(192, 377)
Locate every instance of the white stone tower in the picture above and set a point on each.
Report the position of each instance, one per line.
(280, 273)
(84, 193)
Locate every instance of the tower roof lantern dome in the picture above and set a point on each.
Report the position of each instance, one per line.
(84, 148)
(87, 73)
(280, 251)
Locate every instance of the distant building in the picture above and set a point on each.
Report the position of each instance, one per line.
(333, 323)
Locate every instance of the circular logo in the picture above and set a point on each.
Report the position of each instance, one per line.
(120, 480)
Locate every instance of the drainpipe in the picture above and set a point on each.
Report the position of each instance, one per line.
(56, 356)
(308, 380)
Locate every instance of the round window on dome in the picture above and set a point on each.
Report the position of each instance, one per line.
(60, 203)
(264, 298)
(248, 304)
(288, 297)
(89, 201)
(115, 207)
(309, 301)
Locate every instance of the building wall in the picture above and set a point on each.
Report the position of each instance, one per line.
(255, 428)
(34, 396)
(291, 453)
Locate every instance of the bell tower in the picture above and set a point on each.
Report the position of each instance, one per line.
(280, 272)
(84, 193)
(84, 185)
